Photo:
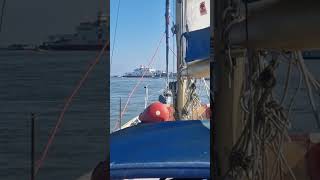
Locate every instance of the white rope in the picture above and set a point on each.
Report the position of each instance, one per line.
(207, 87)
(286, 83)
(266, 123)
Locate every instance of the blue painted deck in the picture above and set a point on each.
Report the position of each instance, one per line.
(179, 149)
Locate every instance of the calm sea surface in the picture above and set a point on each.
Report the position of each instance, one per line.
(39, 82)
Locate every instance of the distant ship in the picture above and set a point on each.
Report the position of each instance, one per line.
(148, 72)
(21, 47)
(88, 36)
(141, 71)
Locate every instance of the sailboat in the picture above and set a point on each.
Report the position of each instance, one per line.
(158, 143)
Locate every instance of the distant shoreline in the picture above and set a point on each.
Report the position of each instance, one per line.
(155, 77)
(149, 77)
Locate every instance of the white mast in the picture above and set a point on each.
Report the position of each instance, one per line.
(167, 93)
(167, 41)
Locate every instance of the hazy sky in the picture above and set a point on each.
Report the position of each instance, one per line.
(31, 21)
(140, 26)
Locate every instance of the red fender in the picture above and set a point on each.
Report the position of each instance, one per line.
(156, 112)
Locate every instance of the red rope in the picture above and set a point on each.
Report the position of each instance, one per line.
(66, 106)
(138, 83)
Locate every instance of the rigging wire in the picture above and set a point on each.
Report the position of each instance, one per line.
(308, 85)
(292, 100)
(115, 33)
(66, 106)
(139, 81)
(2, 13)
(173, 53)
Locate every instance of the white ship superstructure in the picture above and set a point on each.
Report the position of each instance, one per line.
(90, 35)
(141, 71)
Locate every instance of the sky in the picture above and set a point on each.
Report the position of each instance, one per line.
(141, 23)
(31, 21)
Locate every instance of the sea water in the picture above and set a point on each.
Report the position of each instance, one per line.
(40, 82)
